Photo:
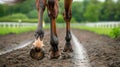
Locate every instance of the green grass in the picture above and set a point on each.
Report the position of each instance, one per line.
(101, 31)
(4, 31)
(17, 20)
(16, 17)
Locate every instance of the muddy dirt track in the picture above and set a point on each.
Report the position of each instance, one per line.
(102, 51)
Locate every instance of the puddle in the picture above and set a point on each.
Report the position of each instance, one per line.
(80, 57)
(12, 48)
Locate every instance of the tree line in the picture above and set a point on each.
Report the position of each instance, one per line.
(86, 11)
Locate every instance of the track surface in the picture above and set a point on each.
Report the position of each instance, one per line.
(102, 51)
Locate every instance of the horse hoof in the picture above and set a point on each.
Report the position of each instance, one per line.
(37, 53)
(68, 48)
(54, 55)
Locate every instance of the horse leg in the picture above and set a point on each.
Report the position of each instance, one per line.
(40, 4)
(52, 13)
(67, 18)
(37, 52)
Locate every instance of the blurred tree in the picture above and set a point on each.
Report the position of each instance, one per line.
(1, 10)
(87, 10)
(4, 10)
(85, 4)
(108, 11)
(46, 18)
(117, 11)
(60, 18)
(61, 6)
(24, 7)
(33, 14)
(92, 11)
(77, 11)
(27, 6)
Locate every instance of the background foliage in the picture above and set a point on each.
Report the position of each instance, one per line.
(86, 11)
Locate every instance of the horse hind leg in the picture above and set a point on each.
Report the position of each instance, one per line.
(67, 18)
(52, 13)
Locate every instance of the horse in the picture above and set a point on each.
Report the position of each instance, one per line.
(37, 52)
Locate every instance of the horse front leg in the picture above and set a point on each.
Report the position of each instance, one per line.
(37, 51)
(52, 13)
(40, 4)
(67, 18)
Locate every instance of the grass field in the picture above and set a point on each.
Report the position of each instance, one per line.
(104, 31)
(101, 31)
(4, 31)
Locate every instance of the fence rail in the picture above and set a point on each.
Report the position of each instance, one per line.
(16, 24)
(103, 24)
(96, 25)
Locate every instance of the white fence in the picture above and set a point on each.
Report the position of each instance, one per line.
(16, 25)
(95, 24)
(103, 24)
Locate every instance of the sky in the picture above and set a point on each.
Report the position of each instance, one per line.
(2, 1)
